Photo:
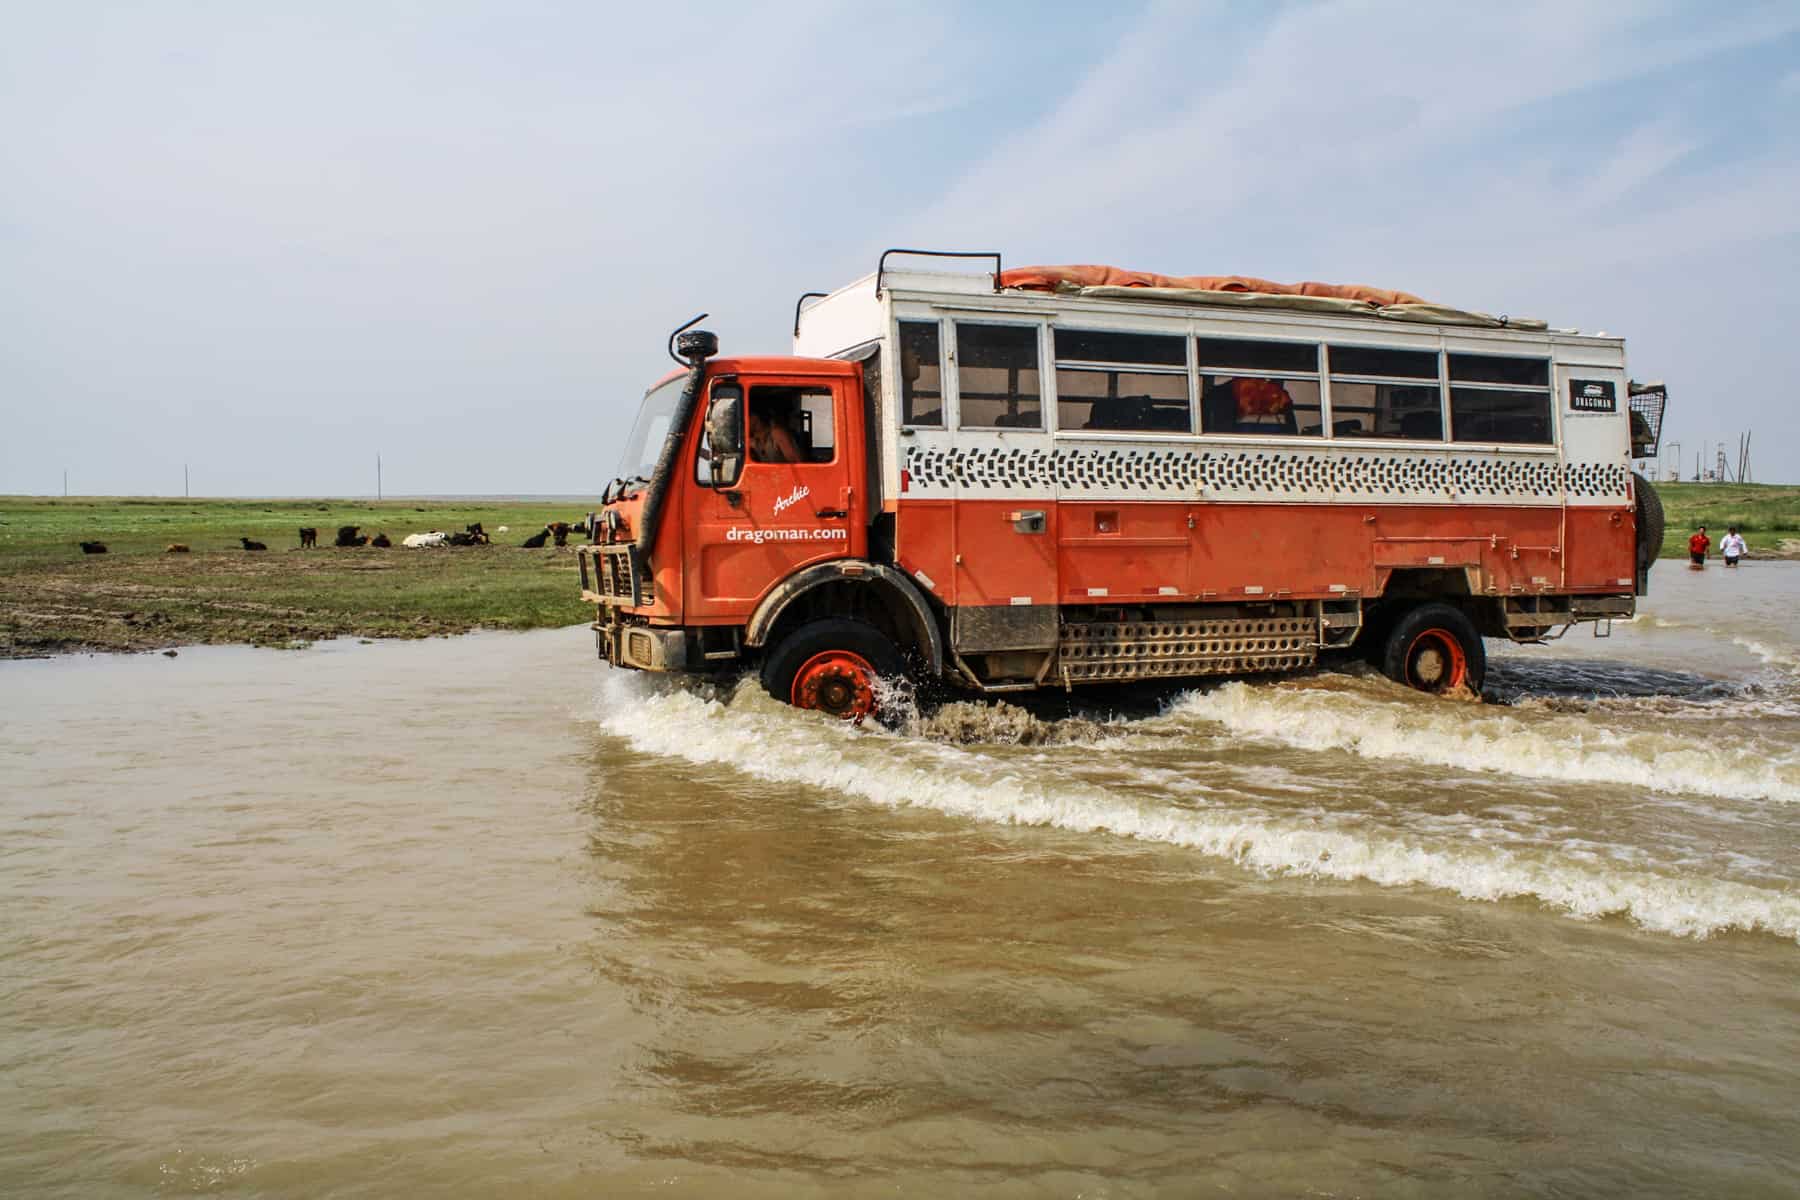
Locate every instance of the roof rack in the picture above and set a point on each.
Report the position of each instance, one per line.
(881, 266)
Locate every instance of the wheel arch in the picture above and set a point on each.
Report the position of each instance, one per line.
(1406, 588)
(853, 588)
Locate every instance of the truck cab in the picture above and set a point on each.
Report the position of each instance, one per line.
(743, 490)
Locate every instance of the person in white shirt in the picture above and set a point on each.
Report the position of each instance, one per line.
(1732, 547)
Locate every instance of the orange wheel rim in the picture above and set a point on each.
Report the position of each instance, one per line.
(835, 681)
(1435, 662)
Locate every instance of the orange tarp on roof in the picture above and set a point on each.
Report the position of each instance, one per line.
(1048, 279)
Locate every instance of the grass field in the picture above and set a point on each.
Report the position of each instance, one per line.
(1768, 515)
(54, 598)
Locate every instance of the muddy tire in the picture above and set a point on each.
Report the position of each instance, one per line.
(1650, 526)
(1434, 648)
(833, 666)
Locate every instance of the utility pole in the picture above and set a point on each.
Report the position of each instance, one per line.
(184, 481)
(378, 476)
(65, 483)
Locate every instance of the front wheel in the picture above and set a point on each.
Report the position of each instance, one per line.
(1434, 648)
(833, 666)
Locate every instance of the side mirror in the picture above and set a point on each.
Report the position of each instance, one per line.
(725, 420)
(725, 432)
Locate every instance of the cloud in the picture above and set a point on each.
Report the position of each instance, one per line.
(1330, 115)
(262, 239)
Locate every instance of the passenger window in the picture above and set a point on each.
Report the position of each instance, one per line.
(1500, 415)
(1265, 388)
(921, 375)
(790, 425)
(1386, 410)
(1498, 399)
(997, 377)
(1121, 400)
(1492, 368)
(1147, 392)
(1383, 393)
(1108, 346)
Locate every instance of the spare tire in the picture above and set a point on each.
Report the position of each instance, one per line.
(1650, 525)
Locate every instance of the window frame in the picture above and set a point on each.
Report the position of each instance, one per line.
(1199, 369)
(946, 421)
(1416, 381)
(1553, 445)
(952, 349)
(1185, 371)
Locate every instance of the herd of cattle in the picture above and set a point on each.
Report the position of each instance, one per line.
(352, 536)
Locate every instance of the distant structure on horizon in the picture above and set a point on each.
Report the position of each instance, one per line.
(1724, 468)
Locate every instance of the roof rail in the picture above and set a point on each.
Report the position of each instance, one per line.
(804, 297)
(881, 266)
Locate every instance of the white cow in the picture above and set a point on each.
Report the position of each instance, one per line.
(434, 538)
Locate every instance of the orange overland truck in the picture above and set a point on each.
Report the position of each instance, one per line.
(1050, 476)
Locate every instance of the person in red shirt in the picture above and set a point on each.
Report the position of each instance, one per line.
(1697, 547)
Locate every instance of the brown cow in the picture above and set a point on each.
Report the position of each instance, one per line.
(308, 538)
(176, 548)
(560, 530)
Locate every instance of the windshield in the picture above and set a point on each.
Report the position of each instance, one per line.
(644, 445)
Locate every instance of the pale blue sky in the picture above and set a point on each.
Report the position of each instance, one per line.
(269, 241)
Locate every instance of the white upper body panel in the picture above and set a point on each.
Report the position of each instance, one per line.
(1571, 406)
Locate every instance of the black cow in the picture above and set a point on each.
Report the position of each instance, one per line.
(381, 540)
(537, 540)
(250, 545)
(93, 547)
(308, 537)
(347, 536)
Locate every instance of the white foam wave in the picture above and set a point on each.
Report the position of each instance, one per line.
(1785, 657)
(778, 745)
(1774, 656)
(1467, 738)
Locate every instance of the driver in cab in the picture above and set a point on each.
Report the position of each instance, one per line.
(770, 440)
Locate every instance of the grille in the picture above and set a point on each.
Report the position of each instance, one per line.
(616, 574)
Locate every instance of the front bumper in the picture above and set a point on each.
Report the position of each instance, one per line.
(641, 647)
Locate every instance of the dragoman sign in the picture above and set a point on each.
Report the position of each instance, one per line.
(1592, 395)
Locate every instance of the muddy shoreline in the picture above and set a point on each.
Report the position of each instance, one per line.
(120, 604)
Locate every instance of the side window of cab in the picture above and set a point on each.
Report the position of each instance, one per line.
(790, 424)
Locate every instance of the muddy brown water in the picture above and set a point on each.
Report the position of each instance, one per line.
(480, 917)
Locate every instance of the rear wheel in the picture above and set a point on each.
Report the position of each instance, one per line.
(1434, 648)
(834, 666)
